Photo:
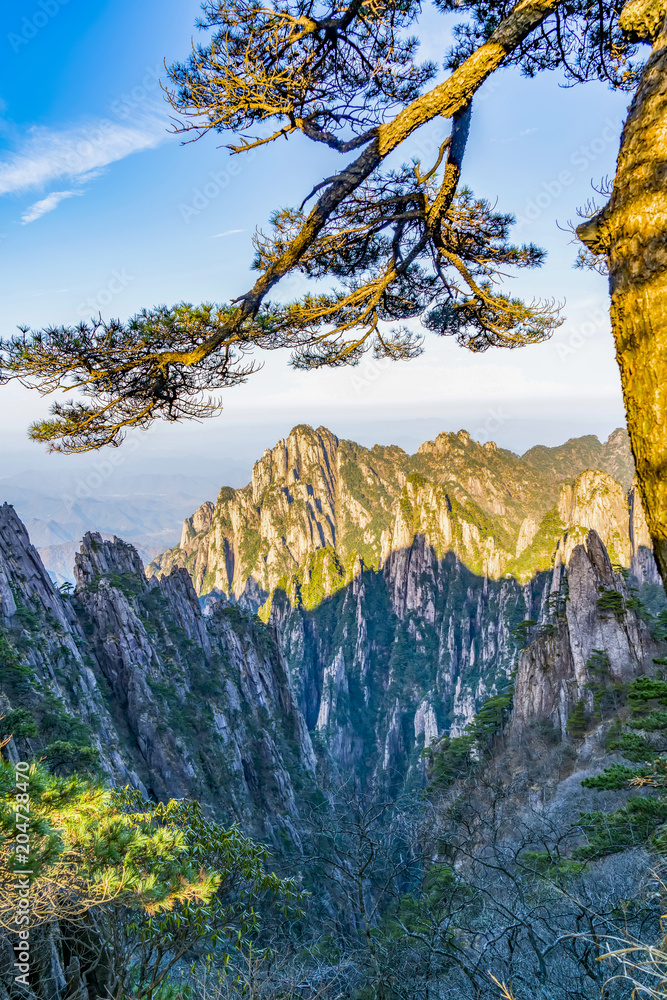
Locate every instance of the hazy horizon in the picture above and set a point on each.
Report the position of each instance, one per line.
(96, 214)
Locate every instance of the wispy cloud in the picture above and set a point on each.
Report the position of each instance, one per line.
(47, 204)
(511, 138)
(227, 232)
(50, 154)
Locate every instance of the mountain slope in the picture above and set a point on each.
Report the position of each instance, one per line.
(394, 583)
(314, 491)
(578, 454)
(174, 702)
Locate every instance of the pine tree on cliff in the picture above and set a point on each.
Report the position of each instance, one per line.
(577, 722)
(398, 243)
(130, 886)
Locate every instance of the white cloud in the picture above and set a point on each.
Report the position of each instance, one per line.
(228, 232)
(47, 204)
(51, 154)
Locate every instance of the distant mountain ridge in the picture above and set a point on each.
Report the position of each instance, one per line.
(500, 513)
(59, 509)
(565, 461)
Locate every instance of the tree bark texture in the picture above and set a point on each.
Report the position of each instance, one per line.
(633, 231)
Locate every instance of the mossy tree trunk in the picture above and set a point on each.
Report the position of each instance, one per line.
(632, 231)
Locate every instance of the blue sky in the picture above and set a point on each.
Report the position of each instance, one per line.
(101, 209)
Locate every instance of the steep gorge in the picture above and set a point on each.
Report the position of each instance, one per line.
(395, 594)
(175, 703)
(399, 612)
(395, 583)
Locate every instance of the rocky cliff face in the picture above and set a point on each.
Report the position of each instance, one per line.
(595, 637)
(176, 703)
(207, 699)
(46, 669)
(395, 595)
(395, 583)
(313, 491)
(497, 512)
(578, 454)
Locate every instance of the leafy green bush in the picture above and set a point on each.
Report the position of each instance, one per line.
(522, 633)
(631, 826)
(451, 757)
(554, 866)
(15, 677)
(29, 619)
(646, 689)
(651, 723)
(642, 820)
(607, 694)
(614, 778)
(631, 745)
(142, 884)
(55, 724)
(449, 760)
(659, 630)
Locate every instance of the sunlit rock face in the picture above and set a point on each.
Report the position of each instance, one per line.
(500, 514)
(394, 583)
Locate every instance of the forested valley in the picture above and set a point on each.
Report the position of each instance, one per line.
(408, 744)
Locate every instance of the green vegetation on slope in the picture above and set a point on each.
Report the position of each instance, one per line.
(342, 495)
(138, 885)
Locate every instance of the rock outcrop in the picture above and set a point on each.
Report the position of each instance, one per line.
(395, 593)
(177, 703)
(395, 583)
(42, 634)
(595, 637)
(314, 491)
(498, 513)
